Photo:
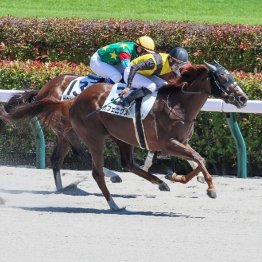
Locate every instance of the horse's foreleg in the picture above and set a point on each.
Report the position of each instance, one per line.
(127, 159)
(184, 179)
(200, 177)
(186, 152)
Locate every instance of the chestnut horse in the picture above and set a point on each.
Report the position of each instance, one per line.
(66, 138)
(167, 128)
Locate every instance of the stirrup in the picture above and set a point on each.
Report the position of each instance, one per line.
(125, 103)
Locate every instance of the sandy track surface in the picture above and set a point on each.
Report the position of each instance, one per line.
(39, 224)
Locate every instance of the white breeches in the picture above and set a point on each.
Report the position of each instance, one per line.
(152, 83)
(105, 70)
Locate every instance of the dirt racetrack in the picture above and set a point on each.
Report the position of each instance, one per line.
(39, 224)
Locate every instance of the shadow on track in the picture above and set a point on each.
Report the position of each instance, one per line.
(71, 190)
(106, 212)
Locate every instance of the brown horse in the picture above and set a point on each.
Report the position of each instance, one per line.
(66, 138)
(167, 128)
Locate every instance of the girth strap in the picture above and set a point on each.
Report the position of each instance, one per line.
(139, 125)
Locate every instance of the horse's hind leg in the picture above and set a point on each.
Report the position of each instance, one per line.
(78, 149)
(57, 160)
(95, 144)
(186, 152)
(114, 177)
(96, 148)
(127, 159)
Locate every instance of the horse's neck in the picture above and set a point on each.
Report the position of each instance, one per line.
(192, 104)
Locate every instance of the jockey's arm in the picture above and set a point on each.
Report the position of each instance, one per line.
(146, 65)
(125, 59)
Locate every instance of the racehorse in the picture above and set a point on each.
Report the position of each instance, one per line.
(168, 126)
(65, 135)
(66, 138)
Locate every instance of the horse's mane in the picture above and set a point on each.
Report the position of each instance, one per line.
(188, 73)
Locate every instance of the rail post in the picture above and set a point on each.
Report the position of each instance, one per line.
(40, 143)
(240, 145)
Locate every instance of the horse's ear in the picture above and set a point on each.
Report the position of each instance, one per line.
(211, 67)
(215, 61)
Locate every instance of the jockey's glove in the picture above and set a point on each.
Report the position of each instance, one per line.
(124, 91)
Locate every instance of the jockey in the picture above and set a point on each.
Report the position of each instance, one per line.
(110, 61)
(145, 75)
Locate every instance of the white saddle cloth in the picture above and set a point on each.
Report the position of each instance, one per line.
(111, 104)
(78, 85)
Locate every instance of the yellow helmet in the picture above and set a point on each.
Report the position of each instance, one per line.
(146, 43)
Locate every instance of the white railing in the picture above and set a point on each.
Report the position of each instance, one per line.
(211, 105)
(218, 105)
(5, 95)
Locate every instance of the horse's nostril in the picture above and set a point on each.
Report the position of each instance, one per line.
(242, 100)
(231, 99)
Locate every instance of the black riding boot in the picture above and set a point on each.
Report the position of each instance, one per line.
(109, 81)
(141, 92)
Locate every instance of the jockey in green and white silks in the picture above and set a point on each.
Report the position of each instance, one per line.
(110, 61)
(145, 74)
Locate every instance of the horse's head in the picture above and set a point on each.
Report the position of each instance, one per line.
(224, 86)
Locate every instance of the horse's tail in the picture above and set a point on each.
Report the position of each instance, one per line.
(45, 107)
(27, 97)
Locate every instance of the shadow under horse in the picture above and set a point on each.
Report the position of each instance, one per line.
(167, 128)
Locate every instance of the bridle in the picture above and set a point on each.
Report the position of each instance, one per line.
(222, 85)
(216, 87)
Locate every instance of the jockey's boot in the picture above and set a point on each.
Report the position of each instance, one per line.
(141, 92)
(109, 81)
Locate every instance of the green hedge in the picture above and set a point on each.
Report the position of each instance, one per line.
(212, 136)
(237, 47)
(33, 74)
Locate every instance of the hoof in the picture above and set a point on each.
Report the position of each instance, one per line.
(212, 194)
(114, 206)
(59, 188)
(116, 179)
(163, 187)
(168, 176)
(171, 176)
(201, 179)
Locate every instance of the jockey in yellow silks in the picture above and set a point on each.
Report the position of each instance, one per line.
(146, 72)
(110, 61)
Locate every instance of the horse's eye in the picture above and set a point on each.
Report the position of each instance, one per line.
(223, 77)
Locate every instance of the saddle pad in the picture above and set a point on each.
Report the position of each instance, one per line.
(79, 84)
(111, 104)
